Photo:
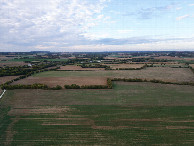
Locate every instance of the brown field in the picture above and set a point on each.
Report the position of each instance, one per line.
(159, 73)
(168, 58)
(73, 67)
(11, 64)
(169, 64)
(191, 65)
(2, 57)
(115, 66)
(149, 73)
(6, 78)
(53, 81)
(189, 59)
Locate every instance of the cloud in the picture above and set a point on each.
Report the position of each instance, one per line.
(191, 5)
(31, 23)
(148, 13)
(182, 17)
(178, 8)
(162, 45)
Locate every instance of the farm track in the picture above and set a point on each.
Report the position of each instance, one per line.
(2, 94)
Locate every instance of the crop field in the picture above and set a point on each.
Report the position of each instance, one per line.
(73, 67)
(115, 66)
(129, 114)
(35, 59)
(192, 65)
(177, 65)
(6, 78)
(54, 81)
(160, 73)
(11, 64)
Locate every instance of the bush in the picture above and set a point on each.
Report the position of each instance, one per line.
(56, 88)
(33, 86)
(109, 83)
(73, 86)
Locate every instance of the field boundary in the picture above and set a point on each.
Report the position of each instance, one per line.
(75, 86)
(152, 81)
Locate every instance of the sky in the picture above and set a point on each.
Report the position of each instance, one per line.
(96, 25)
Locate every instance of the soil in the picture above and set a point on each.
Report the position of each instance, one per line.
(54, 81)
(114, 66)
(11, 64)
(6, 78)
(192, 65)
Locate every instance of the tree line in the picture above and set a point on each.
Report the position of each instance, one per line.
(75, 86)
(25, 70)
(153, 81)
(33, 86)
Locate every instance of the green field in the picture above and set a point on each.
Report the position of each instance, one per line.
(128, 114)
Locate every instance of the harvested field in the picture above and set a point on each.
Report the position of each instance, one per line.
(54, 81)
(176, 65)
(169, 58)
(2, 57)
(191, 65)
(189, 59)
(73, 67)
(11, 64)
(130, 114)
(159, 73)
(6, 78)
(120, 66)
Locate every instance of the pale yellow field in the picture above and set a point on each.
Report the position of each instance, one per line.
(115, 66)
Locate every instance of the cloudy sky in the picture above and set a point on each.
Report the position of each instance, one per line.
(96, 25)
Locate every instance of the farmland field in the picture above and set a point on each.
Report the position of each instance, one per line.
(6, 78)
(73, 67)
(160, 73)
(120, 66)
(192, 65)
(129, 114)
(54, 81)
(11, 64)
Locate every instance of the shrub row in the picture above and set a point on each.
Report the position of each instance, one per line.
(153, 81)
(24, 70)
(25, 76)
(75, 86)
(167, 66)
(109, 83)
(93, 66)
(192, 69)
(33, 86)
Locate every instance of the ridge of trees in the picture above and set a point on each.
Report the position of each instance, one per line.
(25, 70)
(75, 86)
(153, 81)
